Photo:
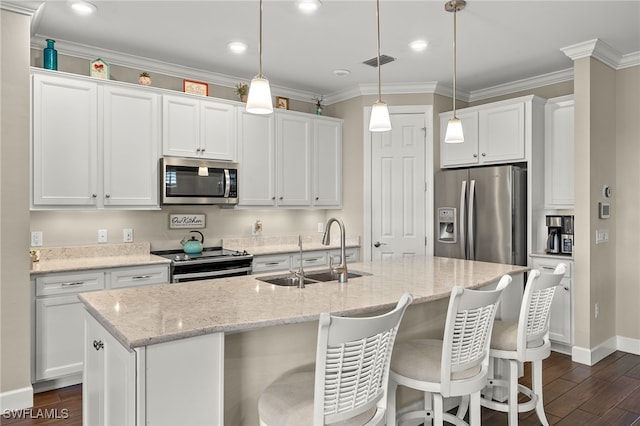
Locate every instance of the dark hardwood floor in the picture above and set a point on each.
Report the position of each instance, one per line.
(574, 394)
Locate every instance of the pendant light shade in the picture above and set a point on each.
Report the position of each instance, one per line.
(259, 99)
(380, 120)
(454, 132)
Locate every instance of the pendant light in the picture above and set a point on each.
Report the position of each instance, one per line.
(380, 121)
(259, 99)
(454, 127)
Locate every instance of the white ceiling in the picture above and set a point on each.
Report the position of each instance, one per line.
(498, 41)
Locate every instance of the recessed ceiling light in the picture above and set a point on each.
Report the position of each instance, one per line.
(418, 45)
(237, 47)
(308, 6)
(342, 73)
(82, 7)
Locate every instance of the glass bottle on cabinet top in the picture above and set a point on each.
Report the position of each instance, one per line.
(50, 56)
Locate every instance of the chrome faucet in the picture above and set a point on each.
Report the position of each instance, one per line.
(300, 273)
(341, 269)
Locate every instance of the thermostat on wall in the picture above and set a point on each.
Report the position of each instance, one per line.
(604, 210)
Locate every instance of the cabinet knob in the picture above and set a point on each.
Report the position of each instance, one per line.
(107, 195)
(273, 198)
(97, 344)
(281, 198)
(566, 288)
(475, 155)
(484, 155)
(94, 195)
(317, 198)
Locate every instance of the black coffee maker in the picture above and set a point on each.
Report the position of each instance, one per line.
(560, 235)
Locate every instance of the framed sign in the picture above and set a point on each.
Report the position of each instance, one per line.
(195, 87)
(178, 221)
(282, 102)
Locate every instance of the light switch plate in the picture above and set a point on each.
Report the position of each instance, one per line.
(36, 239)
(127, 235)
(602, 236)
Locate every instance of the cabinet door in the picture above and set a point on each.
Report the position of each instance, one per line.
(65, 141)
(501, 133)
(256, 155)
(459, 154)
(293, 161)
(560, 316)
(327, 163)
(558, 154)
(180, 126)
(131, 127)
(272, 262)
(218, 131)
(59, 331)
(109, 381)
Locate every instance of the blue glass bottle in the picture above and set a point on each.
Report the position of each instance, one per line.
(50, 56)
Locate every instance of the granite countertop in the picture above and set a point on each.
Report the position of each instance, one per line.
(149, 315)
(79, 258)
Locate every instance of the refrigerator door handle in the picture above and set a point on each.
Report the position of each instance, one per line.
(463, 215)
(472, 196)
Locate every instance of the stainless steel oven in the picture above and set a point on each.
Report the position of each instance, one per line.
(212, 262)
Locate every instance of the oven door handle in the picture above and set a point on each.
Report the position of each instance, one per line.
(210, 274)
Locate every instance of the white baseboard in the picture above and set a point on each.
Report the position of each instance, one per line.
(63, 382)
(617, 343)
(17, 399)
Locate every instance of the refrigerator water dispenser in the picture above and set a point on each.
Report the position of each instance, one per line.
(447, 224)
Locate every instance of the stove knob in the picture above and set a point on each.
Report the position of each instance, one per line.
(177, 257)
(185, 257)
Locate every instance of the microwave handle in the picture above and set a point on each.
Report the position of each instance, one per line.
(227, 183)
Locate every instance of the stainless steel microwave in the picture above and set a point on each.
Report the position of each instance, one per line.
(191, 181)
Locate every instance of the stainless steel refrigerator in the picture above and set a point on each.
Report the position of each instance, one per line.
(481, 214)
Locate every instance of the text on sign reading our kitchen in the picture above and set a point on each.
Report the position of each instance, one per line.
(186, 221)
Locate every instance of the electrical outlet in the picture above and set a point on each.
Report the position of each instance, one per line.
(320, 227)
(597, 310)
(256, 228)
(127, 235)
(36, 239)
(102, 235)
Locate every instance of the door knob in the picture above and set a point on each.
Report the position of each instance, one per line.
(378, 244)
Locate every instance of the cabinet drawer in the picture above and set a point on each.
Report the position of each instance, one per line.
(547, 265)
(271, 263)
(352, 255)
(309, 259)
(140, 275)
(69, 283)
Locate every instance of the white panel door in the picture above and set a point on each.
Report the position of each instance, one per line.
(398, 188)
(293, 161)
(65, 142)
(218, 132)
(131, 145)
(256, 155)
(501, 133)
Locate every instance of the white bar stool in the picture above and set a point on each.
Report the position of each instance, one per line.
(455, 366)
(526, 340)
(349, 385)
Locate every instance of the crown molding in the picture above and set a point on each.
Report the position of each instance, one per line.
(24, 8)
(600, 50)
(521, 85)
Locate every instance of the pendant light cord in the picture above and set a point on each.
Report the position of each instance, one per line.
(260, 45)
(455, 13)
(378, 28)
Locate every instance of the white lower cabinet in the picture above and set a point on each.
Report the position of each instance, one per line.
(58, 316)
(109, 380)
(310, 259)
(170, 383)
(561, 317)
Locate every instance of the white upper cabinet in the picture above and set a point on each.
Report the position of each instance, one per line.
(293, 159)
(558, 153)
(494, 133)
(256, 156)
(131, 142)
(65, 142)
(94, 144)
(198, 128)
(327, 162)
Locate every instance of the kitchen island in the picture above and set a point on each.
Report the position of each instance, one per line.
(201, 352)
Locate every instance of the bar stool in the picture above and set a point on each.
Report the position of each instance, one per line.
(455, 366)
(351, 375)
(526, 340)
